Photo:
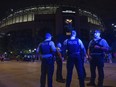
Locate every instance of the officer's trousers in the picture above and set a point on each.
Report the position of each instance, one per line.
(78, 62)
(47, 69)
(59, 69)
(97, 62)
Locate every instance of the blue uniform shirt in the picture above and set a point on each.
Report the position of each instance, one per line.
(53, 49)
(80, 43)
(103, 43)
(102, 47)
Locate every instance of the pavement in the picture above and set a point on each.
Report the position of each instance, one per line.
(27, 74)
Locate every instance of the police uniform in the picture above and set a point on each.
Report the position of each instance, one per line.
(73, 46)
(46, 48)
(59, 59)
(97, 60)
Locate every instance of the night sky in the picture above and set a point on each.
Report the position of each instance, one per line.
(106, 9)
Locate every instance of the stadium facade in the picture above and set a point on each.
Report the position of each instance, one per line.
(25, 28)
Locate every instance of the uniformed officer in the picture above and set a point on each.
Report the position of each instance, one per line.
(47, 49)
(74, 46)
(97, 47)
(59, 61)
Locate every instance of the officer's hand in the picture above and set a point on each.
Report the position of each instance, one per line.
(62, 58)
(97, 47)
(89, 58)
(104, 49)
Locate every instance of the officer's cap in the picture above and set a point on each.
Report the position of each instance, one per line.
(59, 45)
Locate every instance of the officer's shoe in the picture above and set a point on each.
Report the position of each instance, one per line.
(91, 84)
(61, 80)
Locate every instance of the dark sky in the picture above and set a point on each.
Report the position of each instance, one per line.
(106, 9)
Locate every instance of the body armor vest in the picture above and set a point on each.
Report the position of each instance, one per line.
(73, 46)
(45, 48)
(94, 50)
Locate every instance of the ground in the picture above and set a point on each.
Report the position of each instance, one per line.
(27, 74)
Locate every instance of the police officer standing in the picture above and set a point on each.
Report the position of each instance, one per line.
(97, 47)
(59, 61)
(47, 49)
(74, 46)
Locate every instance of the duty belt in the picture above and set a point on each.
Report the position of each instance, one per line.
(96, 53)
(74, 53)
(46, 55)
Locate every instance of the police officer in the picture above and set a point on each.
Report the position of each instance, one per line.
(59, 61)
(47, 49)
(97, 47)
(74, 46)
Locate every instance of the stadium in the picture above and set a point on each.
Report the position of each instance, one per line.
(24, 29)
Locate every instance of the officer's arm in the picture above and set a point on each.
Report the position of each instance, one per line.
(88, 51)
(82, 47)
(38, 51)
(53, 46)
(83, 51)
(65, 42)
(65, 49)
(59, 53)
(65, 45)
(105, 45)
(38, 48)
(88, 55)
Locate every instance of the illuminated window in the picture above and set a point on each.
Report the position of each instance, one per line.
(88, 19)
(20, 18)
(30, 17)
(9, 21)
(98, 22)
(94, 21)
(13, 20)
(25, 18)
(17, 19)
(6, 22)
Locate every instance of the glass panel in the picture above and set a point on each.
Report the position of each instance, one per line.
(10, 21)
(17, 19)
(30, 17)
(25, 18)
(13, 20)
(20, 18)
